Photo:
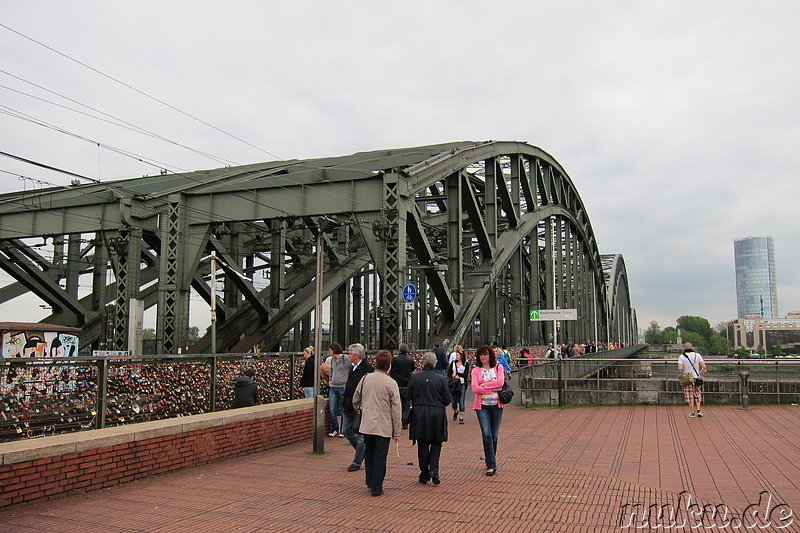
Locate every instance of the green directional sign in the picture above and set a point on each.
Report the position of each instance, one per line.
(554, 314)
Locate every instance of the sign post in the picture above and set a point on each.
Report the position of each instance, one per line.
(556, 315)
(409, 295)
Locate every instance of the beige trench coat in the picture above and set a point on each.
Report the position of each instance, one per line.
(379, 398)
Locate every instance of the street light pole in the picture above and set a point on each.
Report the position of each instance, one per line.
(214, 303)
(319, 405)
(324, 224)
(213, 400)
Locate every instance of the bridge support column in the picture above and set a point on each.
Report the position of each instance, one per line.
(173, 294)
(127, 250)
(393, 274)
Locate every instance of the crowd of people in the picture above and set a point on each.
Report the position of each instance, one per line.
(372, 402)
(40, 400)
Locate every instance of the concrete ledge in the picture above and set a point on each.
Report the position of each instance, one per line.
(44, 447)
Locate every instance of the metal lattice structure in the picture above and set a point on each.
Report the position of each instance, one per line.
(485, 231)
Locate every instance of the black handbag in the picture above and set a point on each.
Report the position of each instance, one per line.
(505, 395)
(357, 416)
(409, 417)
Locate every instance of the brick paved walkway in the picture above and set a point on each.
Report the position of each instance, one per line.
(559, 470)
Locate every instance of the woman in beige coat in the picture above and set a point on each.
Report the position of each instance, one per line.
(379, 399)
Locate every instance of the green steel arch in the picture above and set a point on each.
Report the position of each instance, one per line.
(485, 231)
(622, 322)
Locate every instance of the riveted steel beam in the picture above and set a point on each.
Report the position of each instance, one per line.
(485, 230)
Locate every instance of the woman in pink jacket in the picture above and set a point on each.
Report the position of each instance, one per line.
(487, 379)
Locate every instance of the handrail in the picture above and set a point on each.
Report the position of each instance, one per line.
(772, 380)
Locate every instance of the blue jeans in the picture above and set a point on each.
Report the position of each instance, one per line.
(489, 417)
(335, 402)
(376, 450)
(458, 402)
(356, 439)
(308, 391)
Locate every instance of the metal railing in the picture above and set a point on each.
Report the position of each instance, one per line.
(655, 381)
(40, 397)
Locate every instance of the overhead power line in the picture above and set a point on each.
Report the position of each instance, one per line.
(140, 158)
(131, 87)
(116, 121)
(48, 167)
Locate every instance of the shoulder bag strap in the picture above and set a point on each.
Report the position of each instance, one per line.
(693, 364)
(361, 388)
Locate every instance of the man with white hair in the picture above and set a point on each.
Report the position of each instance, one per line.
(360, 368)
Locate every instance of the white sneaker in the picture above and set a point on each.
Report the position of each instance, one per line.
(333, 434)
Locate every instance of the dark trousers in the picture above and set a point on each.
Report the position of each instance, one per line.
(376, 449)
(404, 405)
(428, 453)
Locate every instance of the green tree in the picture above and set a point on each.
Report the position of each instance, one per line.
(696, 324)
(148, 334)
(761, 351)
(696, 339)
(720, 347)
(193, 335)
(669, 335)
(777, 349)
(653, 334)
(722, 329)
(741, 352)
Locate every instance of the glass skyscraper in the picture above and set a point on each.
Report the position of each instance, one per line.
(756, 287)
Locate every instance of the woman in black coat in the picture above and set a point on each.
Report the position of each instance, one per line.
(429, 396)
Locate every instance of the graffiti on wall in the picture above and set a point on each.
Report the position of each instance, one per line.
(39, 344)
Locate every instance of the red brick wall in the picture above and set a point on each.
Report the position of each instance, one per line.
(48, 477)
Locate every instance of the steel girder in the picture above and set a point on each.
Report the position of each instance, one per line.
(622, 323)
(487, 231)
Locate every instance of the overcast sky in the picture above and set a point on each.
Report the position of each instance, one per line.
(677, 121)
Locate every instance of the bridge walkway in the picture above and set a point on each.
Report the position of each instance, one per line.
(558, 470)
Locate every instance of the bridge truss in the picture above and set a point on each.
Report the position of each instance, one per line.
(485, 231)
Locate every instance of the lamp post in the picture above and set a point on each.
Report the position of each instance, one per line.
(324, 224)
(213, 399)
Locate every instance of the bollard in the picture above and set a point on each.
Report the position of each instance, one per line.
(743, 375)
(527, 390)
(318, 437)
(560, 383)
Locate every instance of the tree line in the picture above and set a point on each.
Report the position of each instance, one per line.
(694, 329)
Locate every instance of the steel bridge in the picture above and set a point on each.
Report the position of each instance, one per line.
(486, 232)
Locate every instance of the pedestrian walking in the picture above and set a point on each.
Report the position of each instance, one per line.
(488, 377)
(458, 373)
(429, 396)
(379, 399)
(360, 368)
(402, 368)
(307, 379)
(691, 361)
(340, 371)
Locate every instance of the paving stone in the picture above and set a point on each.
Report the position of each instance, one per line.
(558, 470)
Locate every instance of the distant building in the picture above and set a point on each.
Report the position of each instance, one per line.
(756, 285)
(750, 333)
